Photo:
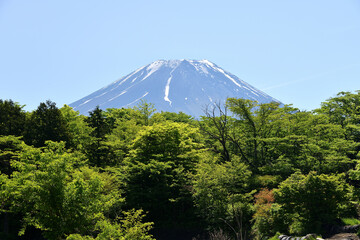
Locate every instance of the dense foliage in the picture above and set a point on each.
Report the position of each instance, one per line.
(244, 170)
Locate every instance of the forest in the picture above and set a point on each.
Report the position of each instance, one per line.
(244, 170)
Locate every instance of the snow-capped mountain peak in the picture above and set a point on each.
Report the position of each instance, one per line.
(172, 85)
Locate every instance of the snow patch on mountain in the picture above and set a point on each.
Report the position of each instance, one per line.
(167, 89)
(123, 92)
(136, 100)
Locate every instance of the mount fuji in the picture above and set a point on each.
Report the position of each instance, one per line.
(173, 85)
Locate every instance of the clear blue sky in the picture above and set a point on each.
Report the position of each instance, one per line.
(300, 52)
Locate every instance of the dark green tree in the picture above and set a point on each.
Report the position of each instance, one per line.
(99, 154)
(100, 123)
(46, 123)
(11, 148)
(12, 118)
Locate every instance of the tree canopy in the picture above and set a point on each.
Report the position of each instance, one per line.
(244, 170)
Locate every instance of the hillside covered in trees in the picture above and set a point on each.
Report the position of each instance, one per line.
(243, 171)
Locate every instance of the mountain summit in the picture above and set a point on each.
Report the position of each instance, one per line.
(174, 86)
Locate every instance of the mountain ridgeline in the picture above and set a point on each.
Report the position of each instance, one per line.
(173, 85)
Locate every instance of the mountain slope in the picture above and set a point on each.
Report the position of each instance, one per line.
(172, 85)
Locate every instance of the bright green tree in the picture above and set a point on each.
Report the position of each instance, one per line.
(146, 110)
(309, 142)
(120, 139)
(129, 227)
(10, 149)
(216, 127)
(308, 202)
(124, 114)
(173, 117)
(344, 110)
(55, 192)
(160, 160)
(78, 128)
(222, 193)
(255, 122)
